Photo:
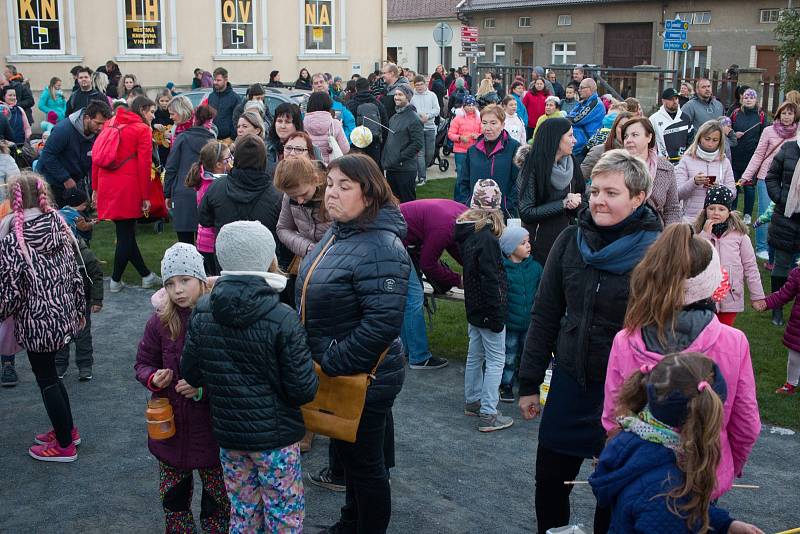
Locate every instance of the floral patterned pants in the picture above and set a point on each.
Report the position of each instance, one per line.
(176, 487)
(265, 489)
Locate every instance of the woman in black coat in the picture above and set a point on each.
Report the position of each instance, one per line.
(550, 185)
(784, 229)
(356, 278)
(579, 308)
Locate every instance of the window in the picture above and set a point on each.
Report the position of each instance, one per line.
(144, 33)
(769, 16)
(500, 53)
(422, 60)
(237, 26)
(565, 20)
(696, 17)
(39, 26)
(448, 57)
(488, 23)
(319, 20)
(524, 22)
(563, 53)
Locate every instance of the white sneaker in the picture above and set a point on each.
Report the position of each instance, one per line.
(116, 287)
(748, 220)
(763, 255)
(151, 280)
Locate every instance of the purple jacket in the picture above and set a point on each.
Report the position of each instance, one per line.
(193, 446)
(430, 227)
(737, 256)
(789, 291)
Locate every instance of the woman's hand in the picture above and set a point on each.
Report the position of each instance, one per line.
(529, 407)
(700, 179)
(464, 138)
(183, 388)
(161, 378)
(572, 201)
(739, 135)
(740, 527)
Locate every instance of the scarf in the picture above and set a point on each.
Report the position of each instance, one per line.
(706, 156)
(652, 162)
(785, 132)
(561, 175)
(622, 254)
(793, 200)
(719, 228)
(651, 429)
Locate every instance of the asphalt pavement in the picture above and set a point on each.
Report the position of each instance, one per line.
(449, 477)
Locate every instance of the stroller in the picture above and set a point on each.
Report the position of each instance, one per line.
(443, 144)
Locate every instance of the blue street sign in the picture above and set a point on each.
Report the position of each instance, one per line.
(676, 24)
(679, 46)
(675, 35)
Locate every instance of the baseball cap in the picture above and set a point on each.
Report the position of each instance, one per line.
(669, 93)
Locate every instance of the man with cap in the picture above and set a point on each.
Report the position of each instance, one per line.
(406, 138)
(671, 127)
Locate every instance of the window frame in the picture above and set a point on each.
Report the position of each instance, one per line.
(334, 14)
(13, 31)
(692, 17)
(565, 54)
(769, 11)
(426, 51)
(221, 50)
(528, 25)
(566, 18)
(486, 23)
(123, 29)
(496, 53)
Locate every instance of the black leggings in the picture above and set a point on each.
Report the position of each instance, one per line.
(54, 394)
(127, 250)
(552, 495)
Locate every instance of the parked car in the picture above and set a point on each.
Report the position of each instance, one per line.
(274, 96)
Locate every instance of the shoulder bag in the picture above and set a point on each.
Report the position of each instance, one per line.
(336, 409)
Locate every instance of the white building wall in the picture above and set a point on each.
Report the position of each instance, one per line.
(408, 36)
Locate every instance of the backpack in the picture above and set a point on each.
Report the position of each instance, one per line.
(761, 116)
(370, 111)
(104, 151)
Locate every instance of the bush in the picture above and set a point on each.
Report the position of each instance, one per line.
(787, 33)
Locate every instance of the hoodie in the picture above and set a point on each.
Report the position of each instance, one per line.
(672, 133)
(696, 330)
(67, 153)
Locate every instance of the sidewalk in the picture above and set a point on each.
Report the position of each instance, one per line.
(449, 478)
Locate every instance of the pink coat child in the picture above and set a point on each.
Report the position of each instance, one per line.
(206, 237)
(692, 195)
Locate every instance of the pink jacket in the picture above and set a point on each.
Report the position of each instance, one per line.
(729, 348)
(692, 195)
(320, 124)
(464, 125)
(737, 256)
(768, 145)
(206, 237)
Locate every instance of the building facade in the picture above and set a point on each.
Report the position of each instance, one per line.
(165, 40)
(410, 34)
(626, 33)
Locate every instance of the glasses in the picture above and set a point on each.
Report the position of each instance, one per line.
(294, 150)
(228, 159)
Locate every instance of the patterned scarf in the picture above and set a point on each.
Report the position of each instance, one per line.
(785, 132)
(651, 429)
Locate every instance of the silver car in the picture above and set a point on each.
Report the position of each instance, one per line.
(274, 96)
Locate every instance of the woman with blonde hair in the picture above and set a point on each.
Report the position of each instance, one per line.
(181, 112)
(52, 99)
(486, 93)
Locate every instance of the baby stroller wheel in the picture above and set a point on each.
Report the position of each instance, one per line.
(446, 150)
(444, 165)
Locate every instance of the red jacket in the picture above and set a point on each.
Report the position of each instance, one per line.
(534, 105)
(120, 192)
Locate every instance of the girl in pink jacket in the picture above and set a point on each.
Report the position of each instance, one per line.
(702, 166)
(671, 309)
(465, 130)
(728, 234)
(215, 160)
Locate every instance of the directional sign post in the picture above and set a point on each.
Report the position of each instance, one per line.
(676, 35)
(470, 47)
(677, 46)
(443, 35)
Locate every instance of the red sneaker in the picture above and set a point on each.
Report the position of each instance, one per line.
(786, 389)
(49, 437)
(53, 452)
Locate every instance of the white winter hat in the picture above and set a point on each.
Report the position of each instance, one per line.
(182, 259)
(245, 246)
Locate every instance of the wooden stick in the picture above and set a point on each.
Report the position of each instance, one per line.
(581, 482)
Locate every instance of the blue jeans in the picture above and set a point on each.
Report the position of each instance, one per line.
(459, 159)
(425, 155)
(414, 332)
(479, 385)
(763, 204)
(749, 199)
(514, 343)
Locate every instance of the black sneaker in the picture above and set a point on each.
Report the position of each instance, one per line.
(85, 374)
(8, 377)
(506, 394)
(325, 479)
(431, 363)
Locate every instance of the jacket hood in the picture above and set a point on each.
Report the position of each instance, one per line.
(126, 116)
(247, 185)
(241, 300)
(363, 97)
(76, 119)
(45, 234)
(462, 231)
(389, 219)
(626, 459)
(689, 326)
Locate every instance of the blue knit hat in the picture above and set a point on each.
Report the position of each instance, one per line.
(511, 238)
(469, 100)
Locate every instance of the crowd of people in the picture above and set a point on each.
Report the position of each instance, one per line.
(602, 256)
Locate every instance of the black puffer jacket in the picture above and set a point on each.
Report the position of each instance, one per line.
(242, 195)
(485, 282)
(251, 355)
(578, 308)
(355, 300)
(784, 233)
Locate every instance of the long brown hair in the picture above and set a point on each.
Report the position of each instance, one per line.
(170, 317)
(700, 443)
(658, 282)
(293, 173)
(735, 222)
(482, 218)
(612, 135)
(212, 153)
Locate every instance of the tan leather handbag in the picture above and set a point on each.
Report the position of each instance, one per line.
(336, 409)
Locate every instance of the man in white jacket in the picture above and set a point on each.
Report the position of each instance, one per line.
(427, 106)
(671, 127)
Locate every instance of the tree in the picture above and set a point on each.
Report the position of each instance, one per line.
(787, 32)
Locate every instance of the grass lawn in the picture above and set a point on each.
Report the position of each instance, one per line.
(448, 337)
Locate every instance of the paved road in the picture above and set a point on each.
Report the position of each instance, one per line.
(449, 479)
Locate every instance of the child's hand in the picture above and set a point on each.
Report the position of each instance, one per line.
(529, 406)
(708, 224)
(162, 378)
(183, 388)
(740, 527)
(83, 225)
(96, 308)
(760, 305)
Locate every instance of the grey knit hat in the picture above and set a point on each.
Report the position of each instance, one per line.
(245, 246)
(406, 90)
(511, 238)
(182, 259)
